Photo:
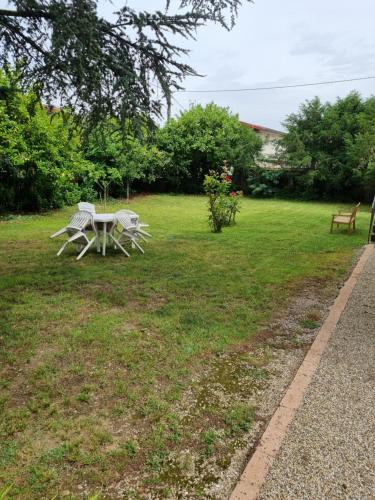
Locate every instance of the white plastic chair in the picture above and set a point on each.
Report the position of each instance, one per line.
(128, 230)
(87, 207)
(137, 223)
(76, 230)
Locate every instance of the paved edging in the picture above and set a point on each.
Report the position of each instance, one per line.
(256, 470)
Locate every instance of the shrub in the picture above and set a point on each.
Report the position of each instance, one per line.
(233, 206)
(40, 163)
(370, 181)
(264, 183)
(222, 206)
(332, 144)
(199, 140)
(120, 159)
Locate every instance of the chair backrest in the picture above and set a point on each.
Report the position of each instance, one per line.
(133, 216)
(80, 220)
(126, 220)
(87, 207)
(355, 211)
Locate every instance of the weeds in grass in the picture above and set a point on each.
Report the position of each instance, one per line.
(239, 419)
(8, 453)
(129, 449)
(5, 491)
(84, 395)
(208, 439)
(157, 460)
(308, 323)
(259, 373)
(40, 477)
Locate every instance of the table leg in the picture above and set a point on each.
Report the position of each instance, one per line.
(104, 236)
(98, 241)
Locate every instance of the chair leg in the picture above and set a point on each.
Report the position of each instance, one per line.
(138, 246)
(118, 244)
(143, 232)
(141, 236)
(62, 248)
(86, 247)
(76, 236)
(58, 233)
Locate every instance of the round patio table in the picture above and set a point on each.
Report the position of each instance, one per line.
(103, 219)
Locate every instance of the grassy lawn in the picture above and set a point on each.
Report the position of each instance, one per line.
(99, 357)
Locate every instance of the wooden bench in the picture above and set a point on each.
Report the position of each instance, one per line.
(347, 218)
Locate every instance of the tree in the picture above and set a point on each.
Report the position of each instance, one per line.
(335, 142)
(101, 68)
(121, 158)
(41, 166)
(144, 162)
(203, 139)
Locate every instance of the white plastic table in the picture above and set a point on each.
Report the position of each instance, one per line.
(104, 219)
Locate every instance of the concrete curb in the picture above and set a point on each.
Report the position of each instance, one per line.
(256, 470)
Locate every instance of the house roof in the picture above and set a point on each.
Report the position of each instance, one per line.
(51, 108)
(260, 128)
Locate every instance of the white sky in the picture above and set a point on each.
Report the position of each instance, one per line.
(280, 42)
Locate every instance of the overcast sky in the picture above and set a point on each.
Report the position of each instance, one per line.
(280, 42)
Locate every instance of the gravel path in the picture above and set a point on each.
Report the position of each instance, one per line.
(329, 449)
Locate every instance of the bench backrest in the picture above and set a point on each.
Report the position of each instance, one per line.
(355, 211)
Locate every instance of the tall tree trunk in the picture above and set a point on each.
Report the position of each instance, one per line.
(105, 197)
(127, 190)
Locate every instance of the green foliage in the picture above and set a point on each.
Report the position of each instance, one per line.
(263, 183)
(309, 323)
(240, 418)
(221, 206)
(217, 192)
(203, 139)
(233, 204)
(40, 163)
(208, 439)
(120, 158)
(129, 449)
(4, 492)
(370, 180)
(106, 67)
(332, 147)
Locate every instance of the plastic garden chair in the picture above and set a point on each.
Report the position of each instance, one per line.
(76, 230)
(126, 228)
(137, 223)
(87, 207)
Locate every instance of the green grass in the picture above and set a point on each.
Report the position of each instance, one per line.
(97, 356)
